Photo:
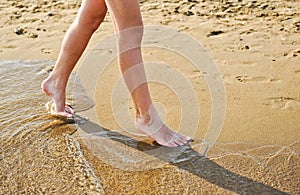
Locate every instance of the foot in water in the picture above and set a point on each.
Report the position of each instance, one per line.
(57, 93)
(157, 130)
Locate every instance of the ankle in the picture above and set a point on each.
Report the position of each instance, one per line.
(149, 123)
(57, 81)
(147, 116)
(144, 119)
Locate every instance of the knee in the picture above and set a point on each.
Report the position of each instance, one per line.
(97, 20)
(134, 33)
(131, 37)
(91, 21)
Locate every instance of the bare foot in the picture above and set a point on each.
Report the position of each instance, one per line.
(56, 92)
(157, 130)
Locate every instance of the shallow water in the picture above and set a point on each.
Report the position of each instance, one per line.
(40, 154)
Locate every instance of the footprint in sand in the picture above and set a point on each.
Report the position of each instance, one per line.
(247, 79)
(46, 70)
(293, 53)
(286, 103)
(47, 50)
(9, 46)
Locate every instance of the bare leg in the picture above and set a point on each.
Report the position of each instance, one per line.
(90, 16)
(129, 26)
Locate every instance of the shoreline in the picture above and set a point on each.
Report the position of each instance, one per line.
(256, 47)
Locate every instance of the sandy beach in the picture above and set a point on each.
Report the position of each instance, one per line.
(254, 44)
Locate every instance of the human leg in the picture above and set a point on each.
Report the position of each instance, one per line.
(129, 28)
(89, 17)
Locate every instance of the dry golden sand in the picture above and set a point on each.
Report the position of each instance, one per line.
(256, 45)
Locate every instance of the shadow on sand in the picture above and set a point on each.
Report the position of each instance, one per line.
(196, 164)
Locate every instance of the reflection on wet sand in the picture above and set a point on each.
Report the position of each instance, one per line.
(186, 158)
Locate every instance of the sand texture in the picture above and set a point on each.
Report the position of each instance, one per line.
(254, 44)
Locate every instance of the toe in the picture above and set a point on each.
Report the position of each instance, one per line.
(185, 139)
(62, 115)
(177, 139)
(171, 144)
(69, 109)
(180, 139)
(180, 142)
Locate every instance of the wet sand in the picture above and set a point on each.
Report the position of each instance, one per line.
(38, 153)
(256, 48)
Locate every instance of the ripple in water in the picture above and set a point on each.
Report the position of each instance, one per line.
(38, 153)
